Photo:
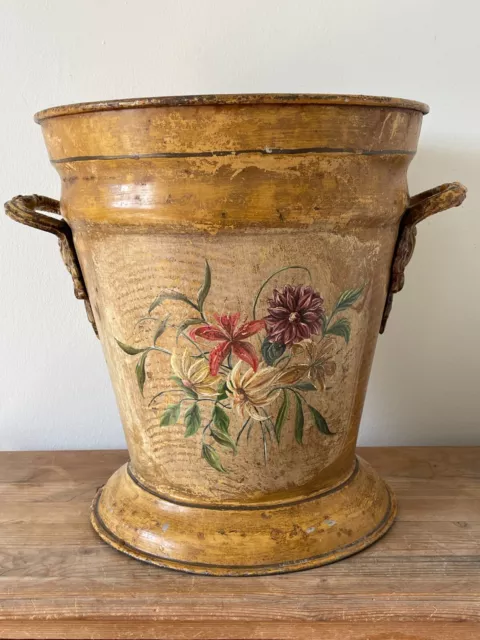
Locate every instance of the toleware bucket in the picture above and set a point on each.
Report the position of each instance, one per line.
(237, 256)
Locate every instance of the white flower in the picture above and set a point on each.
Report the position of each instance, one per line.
(253, 390)
(195, 374)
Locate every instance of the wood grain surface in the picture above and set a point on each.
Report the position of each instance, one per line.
(420, 582)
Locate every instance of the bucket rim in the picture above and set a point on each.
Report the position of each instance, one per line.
(232, 99)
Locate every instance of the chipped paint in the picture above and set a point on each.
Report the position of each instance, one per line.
(249, 187)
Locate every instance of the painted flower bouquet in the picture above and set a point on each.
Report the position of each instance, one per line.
(262, 369)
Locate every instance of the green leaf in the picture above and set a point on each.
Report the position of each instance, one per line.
(171, 295)
(271, 351)
(193, 420)
(299, 420)
(205, 288)
(187, 323)
(281, 416)
(347, 298)
(132, 351)
(140, 371)
(320, 422)
(160, 329)
(222, 391)
(190, 392)
(211, 456)
(340, 328)
(223, 439)
(144, 319)
(170, 415)
(220, 419)
(325, 321)
(304, 386)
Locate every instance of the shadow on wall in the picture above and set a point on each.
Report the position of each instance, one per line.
(425, 383)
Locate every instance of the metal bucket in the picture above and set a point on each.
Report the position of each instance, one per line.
(238, 256)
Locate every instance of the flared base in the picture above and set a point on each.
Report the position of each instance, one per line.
(244, 540)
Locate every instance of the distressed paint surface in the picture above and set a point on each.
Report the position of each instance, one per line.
(152, 188)
(259, 367)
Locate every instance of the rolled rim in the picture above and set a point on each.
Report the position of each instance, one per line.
(232, 99)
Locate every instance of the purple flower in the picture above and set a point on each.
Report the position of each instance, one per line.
(295, 313)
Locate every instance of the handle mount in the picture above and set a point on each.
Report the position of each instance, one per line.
(25, 209)
(421, 207)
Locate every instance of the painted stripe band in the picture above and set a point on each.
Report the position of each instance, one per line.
(246, 507)
(257, 569)
(214, 154)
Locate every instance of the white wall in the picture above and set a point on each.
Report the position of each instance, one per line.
(54, 388)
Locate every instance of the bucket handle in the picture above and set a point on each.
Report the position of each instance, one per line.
(421, 206)
(25, 209)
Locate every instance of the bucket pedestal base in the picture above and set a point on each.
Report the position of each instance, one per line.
(249, 540)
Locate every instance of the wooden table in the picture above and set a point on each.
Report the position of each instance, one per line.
(421, 581)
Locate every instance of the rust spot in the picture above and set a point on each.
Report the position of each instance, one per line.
(276, 534)
(297, 531)
(200, 535)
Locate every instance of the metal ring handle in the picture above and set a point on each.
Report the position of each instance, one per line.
(25, 209)
(421, 207)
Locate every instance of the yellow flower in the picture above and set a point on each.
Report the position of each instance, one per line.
(320, 359)
(195, 374)
(253, 390)
(292, 373)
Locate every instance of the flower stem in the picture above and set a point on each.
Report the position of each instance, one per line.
(268, 419)
(298, 394)
(162, 393)
(202, 353)
(225, 406)
(265, 282)
(244, 426)
(205, 429)
(328, 319)
(288, 357)
(169, 353)
(186, 400)
(265, 453)
(144, 319)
